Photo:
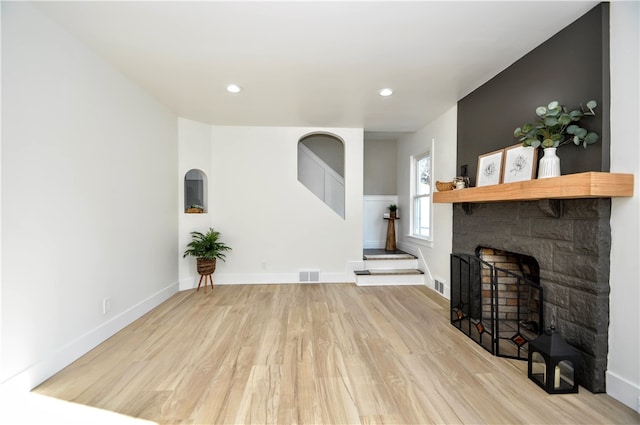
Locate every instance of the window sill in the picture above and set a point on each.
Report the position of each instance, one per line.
(420, 241)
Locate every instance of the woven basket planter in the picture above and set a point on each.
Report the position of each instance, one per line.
(206, 266)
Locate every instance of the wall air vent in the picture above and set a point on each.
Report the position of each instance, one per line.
(309, 276)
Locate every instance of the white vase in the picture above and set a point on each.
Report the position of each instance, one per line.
(549, 165)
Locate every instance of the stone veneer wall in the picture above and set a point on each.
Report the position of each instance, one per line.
(571, 240)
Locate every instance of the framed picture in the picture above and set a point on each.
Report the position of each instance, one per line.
(490, 168)
(519, 163)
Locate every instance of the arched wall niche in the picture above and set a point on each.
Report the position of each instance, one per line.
(329, 147)
(321, 159)
(195, 191)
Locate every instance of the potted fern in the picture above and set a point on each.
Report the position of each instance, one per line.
(207, 248)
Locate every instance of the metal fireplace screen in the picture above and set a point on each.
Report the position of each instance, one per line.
(499, 309)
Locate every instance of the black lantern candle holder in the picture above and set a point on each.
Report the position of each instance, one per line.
(553, 364)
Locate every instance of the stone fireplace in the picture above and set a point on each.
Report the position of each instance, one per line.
(570, 239)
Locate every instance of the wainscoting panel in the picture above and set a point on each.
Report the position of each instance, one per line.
(375, 226)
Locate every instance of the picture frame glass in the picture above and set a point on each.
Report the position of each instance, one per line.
(490, 168)
(520, 163)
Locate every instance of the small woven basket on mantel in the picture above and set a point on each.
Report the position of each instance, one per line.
(444, 186)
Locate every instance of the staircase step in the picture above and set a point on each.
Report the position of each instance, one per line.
(385, 277)
(403, 256)
(391, 264)
(382, 267)
(383, 272)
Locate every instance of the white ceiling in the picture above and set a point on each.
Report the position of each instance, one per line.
(313, 63)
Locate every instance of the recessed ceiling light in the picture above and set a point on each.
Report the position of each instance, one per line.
(233, 88)
(385, 92)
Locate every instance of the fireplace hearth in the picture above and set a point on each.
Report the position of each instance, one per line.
(571, 240)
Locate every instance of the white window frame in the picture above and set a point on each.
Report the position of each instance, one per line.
(413, 196)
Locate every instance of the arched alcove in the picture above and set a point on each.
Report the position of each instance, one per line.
(195, 191)
(321, 168)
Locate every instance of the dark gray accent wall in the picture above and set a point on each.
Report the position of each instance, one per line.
(572, 67)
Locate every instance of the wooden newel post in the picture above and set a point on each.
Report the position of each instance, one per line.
(391, 232)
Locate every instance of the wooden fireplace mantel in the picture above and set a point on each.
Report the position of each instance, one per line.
(571, 186)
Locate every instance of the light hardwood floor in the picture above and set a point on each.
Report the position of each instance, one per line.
(313, 354)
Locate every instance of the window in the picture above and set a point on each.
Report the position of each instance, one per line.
(421, 195)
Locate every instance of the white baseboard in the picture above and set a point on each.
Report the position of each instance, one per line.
(265, 279)
(38, 372)
(374, 244)
(624, 391)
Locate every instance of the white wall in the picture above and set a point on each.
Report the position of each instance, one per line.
(623, 370)
(275, 226)
(88, 198)
(435, 255)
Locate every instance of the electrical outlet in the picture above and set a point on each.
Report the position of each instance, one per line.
(106, 305)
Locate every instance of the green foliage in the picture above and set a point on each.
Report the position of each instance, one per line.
(393, 207)
(206, 245)
(554, 127)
